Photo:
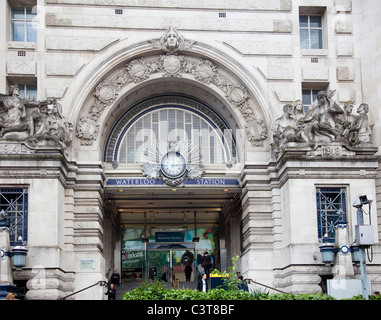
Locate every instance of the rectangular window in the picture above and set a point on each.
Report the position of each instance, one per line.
(24, 24)
(14, 202)
(331, 202)
(311, 31)
(28, 91)
(309, 96)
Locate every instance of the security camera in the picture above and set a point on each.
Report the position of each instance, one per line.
(362, 199)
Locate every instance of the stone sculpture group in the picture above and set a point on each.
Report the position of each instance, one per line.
(37, 123)
(325, 122)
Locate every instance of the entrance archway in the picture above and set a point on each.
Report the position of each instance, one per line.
(134, 73)
(163, 222)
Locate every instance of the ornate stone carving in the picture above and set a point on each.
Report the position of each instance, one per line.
(53, 126)
(205, 71)
(326, 123)
(35, 123)
(105, 92)
(138, 70)
(174, 65)
(87, 130)
(171, 41)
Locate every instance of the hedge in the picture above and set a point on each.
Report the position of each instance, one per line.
(156, 291)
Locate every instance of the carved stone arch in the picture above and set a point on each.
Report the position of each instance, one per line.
(105, 89)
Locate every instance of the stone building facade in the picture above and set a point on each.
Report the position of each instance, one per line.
(258, 120)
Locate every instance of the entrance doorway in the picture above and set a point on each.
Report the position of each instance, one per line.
(157, 225)
(172, 255)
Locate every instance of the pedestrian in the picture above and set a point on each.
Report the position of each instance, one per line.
(206, 263)
(188, 271)
(111, 292)
(115, 278)
(202, 284)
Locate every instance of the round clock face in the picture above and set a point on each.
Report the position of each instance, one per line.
(173, 165)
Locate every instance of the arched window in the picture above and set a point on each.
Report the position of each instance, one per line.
(174, 119)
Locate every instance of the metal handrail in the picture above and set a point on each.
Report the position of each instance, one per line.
(264, 285)
(101, 283)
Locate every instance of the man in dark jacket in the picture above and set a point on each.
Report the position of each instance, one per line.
(111, 292)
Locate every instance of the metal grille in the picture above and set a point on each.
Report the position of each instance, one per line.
(14, 202)
(330, 202)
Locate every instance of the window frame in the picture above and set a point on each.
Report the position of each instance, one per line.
(25, 21)
(15, 213)
(309, 28)
(326, 225)
(25, 89)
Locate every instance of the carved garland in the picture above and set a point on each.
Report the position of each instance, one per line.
(170, 65)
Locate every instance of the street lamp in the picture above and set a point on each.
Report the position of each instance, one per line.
(364, 239)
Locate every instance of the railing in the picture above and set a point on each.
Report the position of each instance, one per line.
(264, 285)
(101, 283)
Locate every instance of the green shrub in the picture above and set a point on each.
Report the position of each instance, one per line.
(155, 291)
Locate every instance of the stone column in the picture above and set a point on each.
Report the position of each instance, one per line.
(89, 259)
(257, 227)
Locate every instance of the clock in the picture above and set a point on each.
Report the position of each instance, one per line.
(173, 165)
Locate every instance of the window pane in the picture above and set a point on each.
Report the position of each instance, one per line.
(18, 13)
(316, 39)
(315, 22)
(31, 29)
(306, 97)
(304, 41)
(31, 91)
(303, 21)
(18, 31)
(30, 13)
(314, 94)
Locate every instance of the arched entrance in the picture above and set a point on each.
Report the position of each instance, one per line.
(168, 215)
(123, 89)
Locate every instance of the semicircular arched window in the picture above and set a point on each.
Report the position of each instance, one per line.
(150, 125)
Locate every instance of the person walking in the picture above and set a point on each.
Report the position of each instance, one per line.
(202, 284)
(111, 292)
(188, 271)
(115, 278)
(206, 263)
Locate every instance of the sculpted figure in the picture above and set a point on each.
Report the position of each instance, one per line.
(298, 110)
(360, 131)
(322, 117)
(54, 126)
(285, 128)
(347, 119)
(14, 117)
(171, 41)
